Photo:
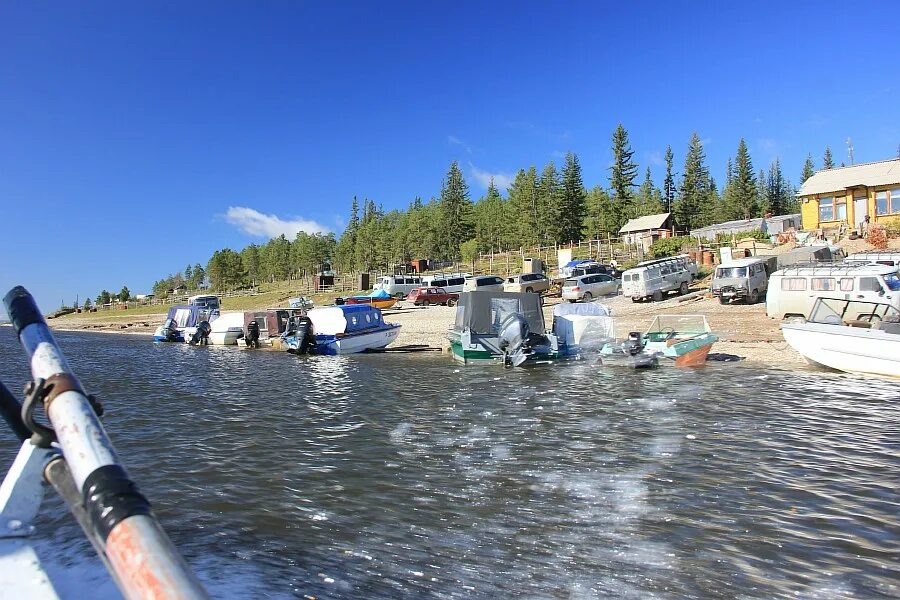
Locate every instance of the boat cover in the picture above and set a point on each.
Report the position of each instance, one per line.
(185, 315)
(483, 312)
(346, 318)
(228, 321)
(585, 309)
(576, 263)
(378, 294)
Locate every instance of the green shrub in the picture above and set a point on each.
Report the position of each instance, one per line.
(664, 247)
(756, 234)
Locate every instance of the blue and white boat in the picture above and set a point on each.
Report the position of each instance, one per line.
(345, 329)
(180, 318)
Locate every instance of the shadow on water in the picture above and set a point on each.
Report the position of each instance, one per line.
(411, 477)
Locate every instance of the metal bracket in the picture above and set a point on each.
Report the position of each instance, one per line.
(22, 490)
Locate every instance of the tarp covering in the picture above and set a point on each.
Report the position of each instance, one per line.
(586, 309)
(380, 294)
(483, 312)
(184, 315)
(331, 320)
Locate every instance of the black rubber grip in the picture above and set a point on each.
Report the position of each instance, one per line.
(11, 411)
(111, 497)
(21, 308)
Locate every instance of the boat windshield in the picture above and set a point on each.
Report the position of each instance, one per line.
(731, 272)
(837, 311)
(893, 282)
(679, 324)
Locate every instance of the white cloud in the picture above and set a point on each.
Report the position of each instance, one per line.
(252, 222)
(501, 180)
(455, 141)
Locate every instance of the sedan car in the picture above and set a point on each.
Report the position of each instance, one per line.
(425, 296)
(588, 287)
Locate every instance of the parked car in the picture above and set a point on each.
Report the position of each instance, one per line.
(588, 287)
(483, 283)
(527, 282)
(655, 278)
(588, 269)
(425, 296)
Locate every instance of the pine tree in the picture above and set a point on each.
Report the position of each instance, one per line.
(740, 195)
(669, 182)
(827, 162)
(549, 205)
(597, 224)
(623, 172)
(693, 195)
(649, 198)
(808, 169)
(777, 197)
(456, 212)
(523, 209)
(489, 220)
(573, 203)
(711, 209)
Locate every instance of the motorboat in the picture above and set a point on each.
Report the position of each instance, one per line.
(182, 318)
(501, 327)
(344, 329)
(227, 329)
(378, 298)
(685, 340)
(849, 335)
(583, 327)
(270, 323)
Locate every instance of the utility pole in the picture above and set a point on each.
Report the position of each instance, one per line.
(850, 149)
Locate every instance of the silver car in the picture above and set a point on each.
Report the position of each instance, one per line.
(588, 287)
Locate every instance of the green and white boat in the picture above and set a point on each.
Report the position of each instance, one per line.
(501, 328)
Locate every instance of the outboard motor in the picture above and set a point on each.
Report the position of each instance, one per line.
(301, 330)
(634, 344)
(170, 330)
(513, 334)
(201, 336)
(251, 338)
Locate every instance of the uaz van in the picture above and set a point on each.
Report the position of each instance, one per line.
(793, 290)
(741, 279)
(451, 282)
(655, 278)
(398, 286)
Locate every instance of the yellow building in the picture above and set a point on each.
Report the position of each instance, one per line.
(846, 195)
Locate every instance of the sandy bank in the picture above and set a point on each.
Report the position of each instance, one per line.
(743, 330)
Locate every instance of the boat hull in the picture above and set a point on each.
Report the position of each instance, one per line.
(846, 349)
(379, 303)
(226, 338)
(356, 342)
(687, 352)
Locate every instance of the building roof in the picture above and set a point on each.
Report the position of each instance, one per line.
(742, 224)
(644, 223)
(883, 172)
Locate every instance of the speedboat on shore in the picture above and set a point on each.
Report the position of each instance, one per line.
(182, 317)
(683, 339)
(344, 329)
(850, 336)
(379, 299)
(501, 327)
(227, 329)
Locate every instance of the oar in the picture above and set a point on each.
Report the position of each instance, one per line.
(143, 561)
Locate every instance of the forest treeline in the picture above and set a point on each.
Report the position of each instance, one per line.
(546, 208)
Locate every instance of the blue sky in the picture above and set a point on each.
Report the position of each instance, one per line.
(128, 130)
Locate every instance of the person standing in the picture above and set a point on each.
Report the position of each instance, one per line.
(864, 227)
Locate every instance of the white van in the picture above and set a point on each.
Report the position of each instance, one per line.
(206, 301)
(483, 283)
(741, 279)
(451, 282)
(398, 286)
(793, 290)
(655, 278)
(880, 258)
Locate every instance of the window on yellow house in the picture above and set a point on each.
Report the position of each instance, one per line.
(881, 203)
(840, 209)
(826, 209)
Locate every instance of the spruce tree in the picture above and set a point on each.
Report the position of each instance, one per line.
(669, 182)
(573, 202)
(649, 198)
(455, 212)
(623, 172)
(523, 209)
(827, 162)
(549, 205)
(808, 169)
(489, 220)
(693, 194)
(741, 199)
(777, 197)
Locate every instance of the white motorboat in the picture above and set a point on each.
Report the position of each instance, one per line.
(850, 336)
(227, 329)
(345, 329)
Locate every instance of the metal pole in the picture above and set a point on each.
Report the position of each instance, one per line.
(144, 561)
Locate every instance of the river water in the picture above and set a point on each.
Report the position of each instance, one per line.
(409, 476)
